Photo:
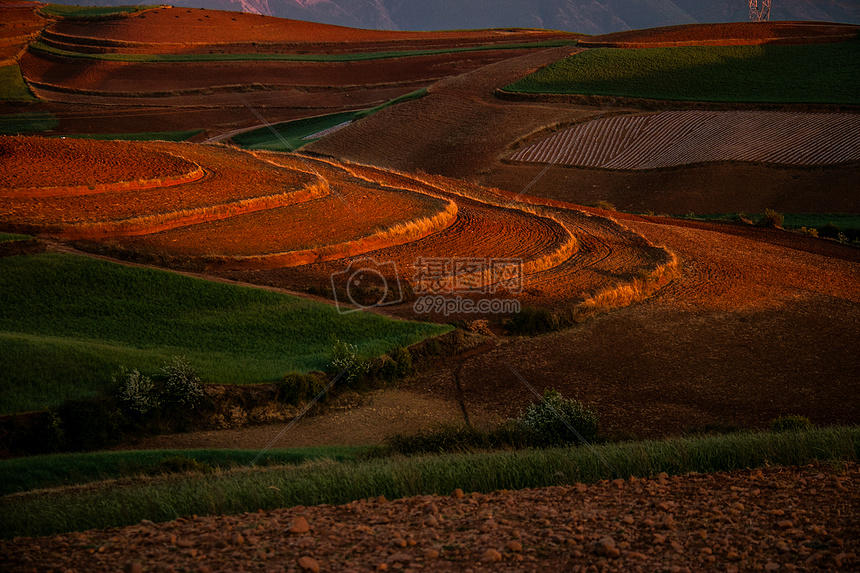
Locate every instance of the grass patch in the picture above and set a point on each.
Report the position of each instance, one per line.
(816, 73)
(68, 322)
(140, 136)
(72, 11)
(59, 470)
(10, 237)
(290, 135)
(335, 483)
(790, 220)
(32, 122)
(356, 57)
(12, 85)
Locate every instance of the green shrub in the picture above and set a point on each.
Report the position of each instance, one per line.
(296, 387)
(137, 394)
(791, 424)
(453, 438)
(551, 419)
(829, 231)
(344, 359)
(532, 320)
(771, 218)
(182, 386)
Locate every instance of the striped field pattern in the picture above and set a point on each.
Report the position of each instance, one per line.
(672, 138)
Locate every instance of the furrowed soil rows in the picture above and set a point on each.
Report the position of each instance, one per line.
(674, 138)
(74, 163)
(235, 183)
(351, 217)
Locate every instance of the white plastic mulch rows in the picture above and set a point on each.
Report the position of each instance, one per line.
(673, 138)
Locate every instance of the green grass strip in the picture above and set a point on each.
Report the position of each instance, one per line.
(291, 135)
(140, 136)
(816, 73)
(73, 11)
(360, 57)
(337, 483)
(10, 237)
(29, 122)
(68, 322)
(12, 85)
(57, 470)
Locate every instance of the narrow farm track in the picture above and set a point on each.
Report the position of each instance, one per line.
(674, 138)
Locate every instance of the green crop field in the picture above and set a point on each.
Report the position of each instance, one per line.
(290, 135)
(32, 122)
(60, 470)
(818, 73)
(250, 489)
(10, 237)
(73, 11)
(67, 323)
(141, 136)
(354, 57)
(12, 85)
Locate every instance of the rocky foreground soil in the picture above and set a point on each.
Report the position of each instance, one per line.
(775, 519)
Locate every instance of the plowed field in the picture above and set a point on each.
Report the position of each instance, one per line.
(235, 183)
(771, 519)
(675, 138)
(726, 34)
(189, 27)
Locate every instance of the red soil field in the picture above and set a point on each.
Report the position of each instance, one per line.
(350, 211)
(235, 183)
(93, 77)
(187, 27)
(726, 34)
(18, 26)
(79, 162)
(756, 519)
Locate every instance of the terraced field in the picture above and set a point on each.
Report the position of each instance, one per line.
(673, 138)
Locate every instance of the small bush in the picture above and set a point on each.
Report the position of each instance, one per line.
(551, 419)
(296, 387)
(771, 218)
(182, 387)
(829, 231)
(345, 360)
(137, 394)
(450, 438)
(605, 205)
(532, 320)
(791, 424)
(812, 231)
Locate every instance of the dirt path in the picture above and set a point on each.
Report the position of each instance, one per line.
(775, 519)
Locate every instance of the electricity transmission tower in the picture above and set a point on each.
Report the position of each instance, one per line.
(759, 13)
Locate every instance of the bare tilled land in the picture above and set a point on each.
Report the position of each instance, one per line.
(774, 519)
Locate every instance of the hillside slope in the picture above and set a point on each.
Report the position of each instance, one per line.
(588, 17)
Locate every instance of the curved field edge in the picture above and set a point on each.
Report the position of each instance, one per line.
(254, 489)
(812, 74)
(69, 322)
(562, 251)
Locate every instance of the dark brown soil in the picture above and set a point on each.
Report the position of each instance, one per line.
(774, 519)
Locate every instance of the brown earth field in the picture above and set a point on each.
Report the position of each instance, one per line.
(93, 96)
(773, 519)
(726, 34)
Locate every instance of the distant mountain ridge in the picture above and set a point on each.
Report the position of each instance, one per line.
(584, 16)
